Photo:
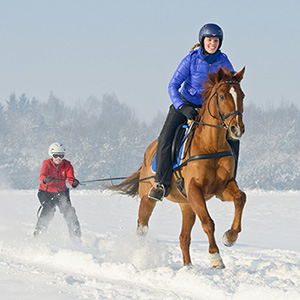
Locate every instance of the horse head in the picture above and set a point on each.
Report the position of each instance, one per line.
(224, 87)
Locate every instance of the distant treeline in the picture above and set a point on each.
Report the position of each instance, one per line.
(106, 138)
(270, 148)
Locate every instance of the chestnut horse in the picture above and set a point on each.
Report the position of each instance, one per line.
(204, 177)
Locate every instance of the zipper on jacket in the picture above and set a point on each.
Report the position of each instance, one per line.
(57, 183)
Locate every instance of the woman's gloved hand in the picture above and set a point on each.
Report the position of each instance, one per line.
(48, 179)
(75, 183)
(188, 111)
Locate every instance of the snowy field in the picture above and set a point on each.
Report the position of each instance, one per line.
(113, 263)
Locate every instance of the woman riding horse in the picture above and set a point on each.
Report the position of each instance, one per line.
(208, 169)
(191, 72)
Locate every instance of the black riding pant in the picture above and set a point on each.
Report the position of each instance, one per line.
(62, 200)
(163, 152)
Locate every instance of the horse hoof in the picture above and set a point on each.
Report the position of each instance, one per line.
(188, 266)
(225, 240)
(216, 261)
(142, 230)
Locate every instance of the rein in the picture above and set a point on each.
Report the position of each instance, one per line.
(116, 178)
(102, 179)
(95, 180)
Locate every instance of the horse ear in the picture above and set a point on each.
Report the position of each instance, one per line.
(220, 74)
(239, 76)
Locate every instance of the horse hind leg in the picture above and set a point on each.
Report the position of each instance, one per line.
(145, 210)
(233, 193)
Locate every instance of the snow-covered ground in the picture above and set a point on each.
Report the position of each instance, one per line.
(114, 263)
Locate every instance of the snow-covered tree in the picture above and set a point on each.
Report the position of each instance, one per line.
(105, 138)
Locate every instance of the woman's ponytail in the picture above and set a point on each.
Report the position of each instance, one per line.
(195, 46)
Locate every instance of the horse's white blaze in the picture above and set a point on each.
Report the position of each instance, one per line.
(234, 96)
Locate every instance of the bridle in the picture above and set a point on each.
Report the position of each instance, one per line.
(221, 116)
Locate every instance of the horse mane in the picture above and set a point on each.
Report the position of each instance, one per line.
(223, 74)
(214, 78)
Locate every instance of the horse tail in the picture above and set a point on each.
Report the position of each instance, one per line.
(129, 186)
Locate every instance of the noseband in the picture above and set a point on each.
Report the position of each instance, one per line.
(221, 117)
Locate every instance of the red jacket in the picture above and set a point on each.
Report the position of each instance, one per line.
(60, 173)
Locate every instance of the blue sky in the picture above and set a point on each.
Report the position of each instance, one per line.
(82, 48)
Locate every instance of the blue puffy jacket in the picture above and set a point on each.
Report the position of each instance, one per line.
(192, 71)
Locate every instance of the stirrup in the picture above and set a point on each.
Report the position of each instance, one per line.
(157, 192)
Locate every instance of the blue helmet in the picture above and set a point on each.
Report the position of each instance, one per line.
(210, 30)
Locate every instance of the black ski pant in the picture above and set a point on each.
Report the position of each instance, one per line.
(163, 152)
(62, 200)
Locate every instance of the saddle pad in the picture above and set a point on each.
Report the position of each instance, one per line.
(178, 157)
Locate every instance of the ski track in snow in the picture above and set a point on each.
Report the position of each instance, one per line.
(114, 263)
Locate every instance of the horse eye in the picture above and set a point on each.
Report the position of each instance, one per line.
(222, 97)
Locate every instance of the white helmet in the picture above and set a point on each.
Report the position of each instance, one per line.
(56, 148)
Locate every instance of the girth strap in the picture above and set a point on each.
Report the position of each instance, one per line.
(206, 156)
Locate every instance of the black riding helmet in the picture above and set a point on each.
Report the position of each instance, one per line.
(210, 30)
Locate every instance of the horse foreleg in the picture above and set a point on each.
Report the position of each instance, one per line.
(145, 210)
(198, 204)
(233, 193)
(188, 221)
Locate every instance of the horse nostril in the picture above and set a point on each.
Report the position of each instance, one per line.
(233, 129)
